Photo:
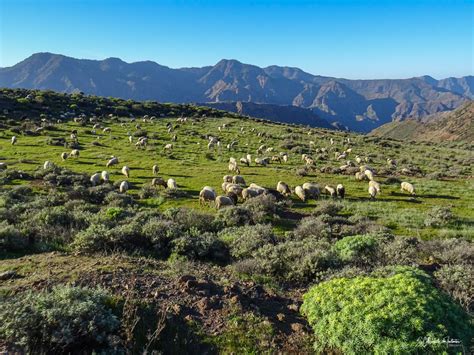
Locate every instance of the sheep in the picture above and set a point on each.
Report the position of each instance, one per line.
(299, 191)
(234, 188)
(372, 192)
(262, 161)
(227, 178)
(250, 192)
(171, 184)
(48, 165)
(369, 174)
(14, 140)
(74, 153)
(330, 190)
(123, 187)
(358, 159)
(244, 161)
(105, 176)
(130, 139)
(238, 179)
(257, 188)
(391, 162)
(126, 171)
(64, 155)
(234, 167)
(158, 181)
(249, 159)
(285, 158)
(341, 191)
(168, 147)
(406, 186)
(155, 169)
(112, 161)
(376, 185)
(261, 149)
(207, 194)
(223, 201)
(311, 190)
(341, 156)
(276, 158)
(107, 130)
(283, 188)
(3, 166)
(95, 179)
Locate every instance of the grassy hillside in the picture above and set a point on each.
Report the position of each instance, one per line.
(181, 276)
(457, 125)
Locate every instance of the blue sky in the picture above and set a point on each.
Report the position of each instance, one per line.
(351, 39)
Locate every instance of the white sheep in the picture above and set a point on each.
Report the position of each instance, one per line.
(341, 191)
(300, 193)
(223, 201)
(238, 179)
(155, 169)
(48, 165)
(311, 190)
(126, 171)
(107, 130)
(123, 187)
(369, 174)
(250, 192)
(249, 158)
(372, 192)
(207, 194)
(168, 147)
(330, 190)
(105, 176)
(171, 184)
(64, 155)
(376, 185)
(244, 161)
(234, 188)
(14, 140)
(283, 188)
(112, 161)
(74, 153)
(95, 179)
(406, 186)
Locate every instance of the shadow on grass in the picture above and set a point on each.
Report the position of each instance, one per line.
(446, 197)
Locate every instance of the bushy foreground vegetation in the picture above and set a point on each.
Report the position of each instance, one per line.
(91, 269)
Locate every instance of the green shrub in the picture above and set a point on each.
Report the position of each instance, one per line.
(67, 319)
(458, 282)
(11, 239)
(438, 217)
(357, 249)
(243, 241)
(196, 245)
(398, 314)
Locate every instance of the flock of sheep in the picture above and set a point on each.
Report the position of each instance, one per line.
(234, 186)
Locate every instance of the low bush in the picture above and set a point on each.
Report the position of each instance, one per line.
(438, 217)
(65, 320)
(357, 249)
(458, 282)
(402, 314)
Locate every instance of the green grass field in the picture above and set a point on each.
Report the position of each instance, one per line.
(193, 166)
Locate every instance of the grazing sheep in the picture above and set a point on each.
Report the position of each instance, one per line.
(74, 153)
(112, 161)
(126, 171)
(406, 186)
(311, 190)
(107, 130)
(95, 179)
(330, 190)
(341, 191)
(250, 192)
(283, 188)
(285, 158)
(372, 192)
(123, 187)
(358, 159)
(64, 155)
(158, 181)
(257, 188)
(234, 167)
(244, 161)
(227, 178)
(130, 139)
(48, 165)
(14, 140)
(105, 176)
(299, 191)
(207, 194)
(168, 147)
(3, 166)
(155, 169)
(376, 185)
(341, 156)
(234, 188)
(171, 184)
(369, 174)
(391, 162)
(261, 161)
(249, 159)
(238, 179)
(276, 158)
(223, 201)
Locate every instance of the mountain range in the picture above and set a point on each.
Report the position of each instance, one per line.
(359, 105)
